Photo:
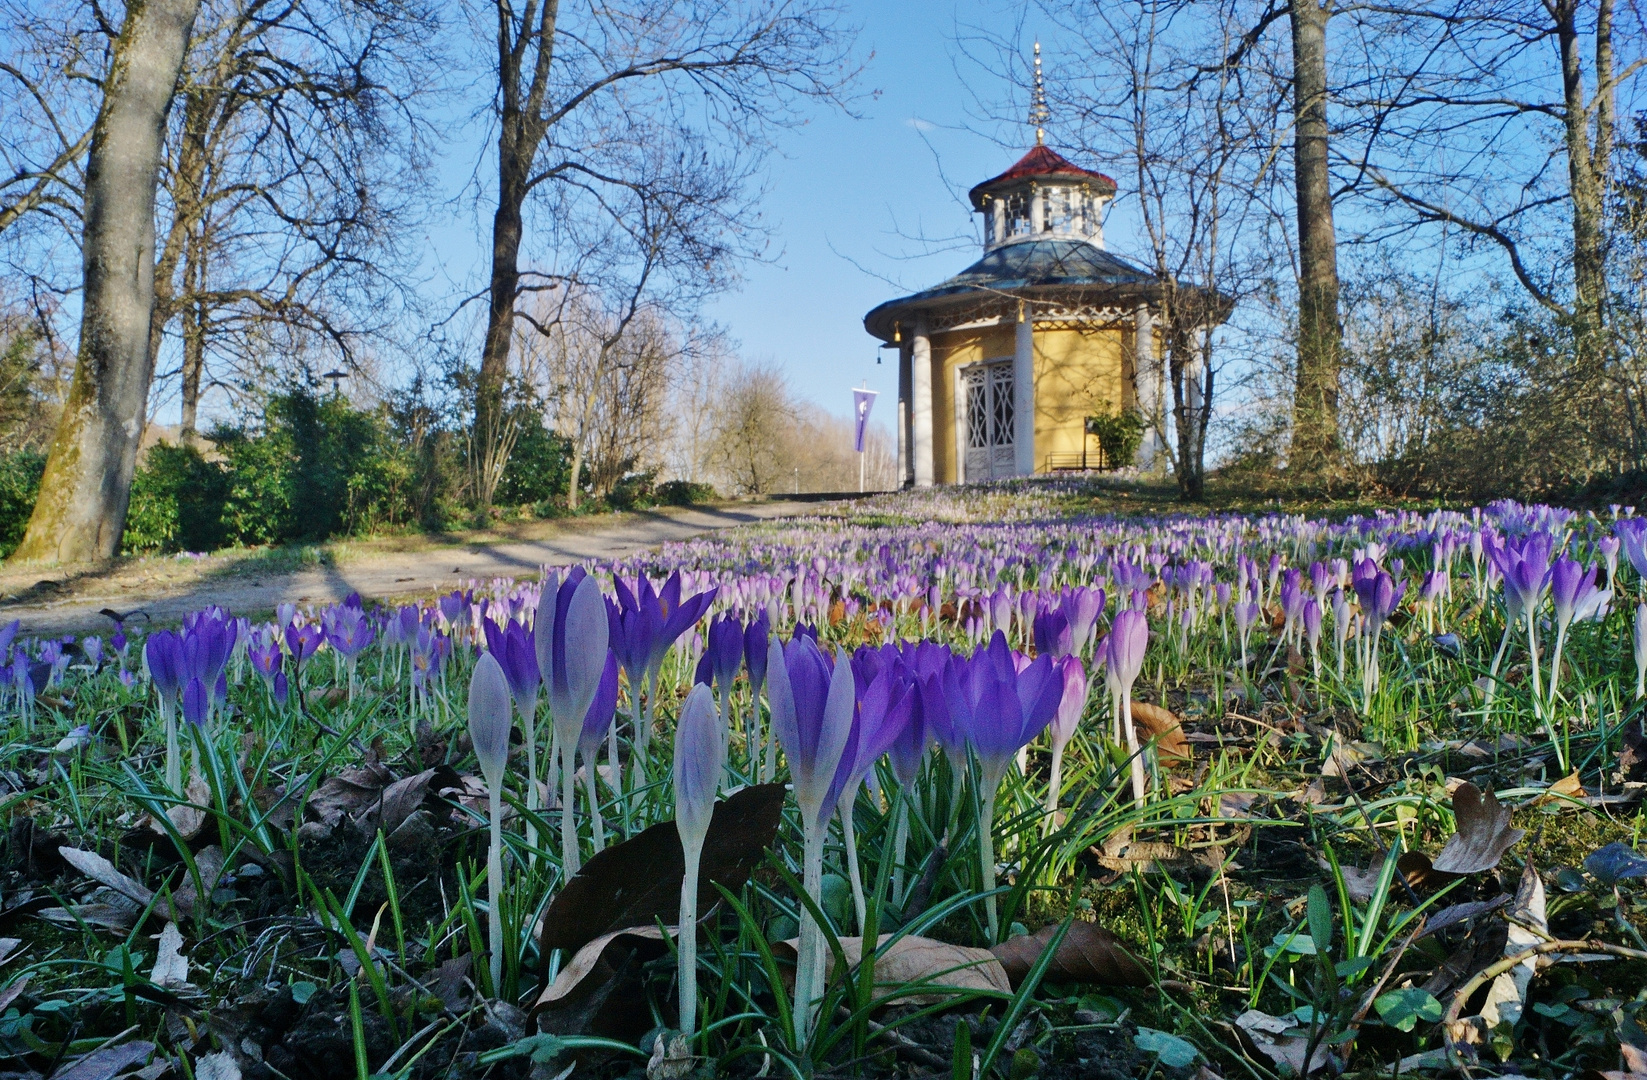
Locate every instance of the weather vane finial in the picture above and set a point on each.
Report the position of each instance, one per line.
(1039, 114)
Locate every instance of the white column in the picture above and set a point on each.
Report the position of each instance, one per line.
(1146, 383)
(997, 213)
(1023, 395)
(920, 381)
(906, 464)
(1037, 220)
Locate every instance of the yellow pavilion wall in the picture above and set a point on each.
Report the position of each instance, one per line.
(1078, 372)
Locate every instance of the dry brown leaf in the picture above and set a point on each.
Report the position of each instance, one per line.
(1568, 787)
(935, 964)
(1634, 1060)
(14, 990)
(171, 967)
(632, 883)
(103, 872)
(588, 958)
(107, 1063)
(1484, 833)
(1270, 1035)
(1088, 954)
(349, 792)
(1166, 729)
(209, 861)
(396, 802)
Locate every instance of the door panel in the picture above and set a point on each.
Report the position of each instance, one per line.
(987, 392)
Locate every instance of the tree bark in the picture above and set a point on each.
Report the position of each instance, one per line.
(1320, 342)
(1587, 166)
(521, 128)
(80, 514)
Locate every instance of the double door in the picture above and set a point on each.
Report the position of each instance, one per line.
(986, 393)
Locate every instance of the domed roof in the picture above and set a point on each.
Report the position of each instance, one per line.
(1041, 161)
(1024, 265)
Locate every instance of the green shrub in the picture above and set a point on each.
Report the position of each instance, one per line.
(684, 493)
(177, 502)
(19, 483)
(539, 467)
(1120, 434)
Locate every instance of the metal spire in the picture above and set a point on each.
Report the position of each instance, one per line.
(1039, 114)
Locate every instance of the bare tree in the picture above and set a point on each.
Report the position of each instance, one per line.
(1132, 79)
(751, 453)
(293, 166)
(81, 509)
(586, 100)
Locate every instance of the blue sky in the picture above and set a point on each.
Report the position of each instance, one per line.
(853, 198)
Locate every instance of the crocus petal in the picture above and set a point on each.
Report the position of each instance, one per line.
(489, 718)
(700, 757)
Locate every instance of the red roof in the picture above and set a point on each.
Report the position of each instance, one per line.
(1040, 161)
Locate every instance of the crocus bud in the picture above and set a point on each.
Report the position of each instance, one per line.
(812, 710)
(489, 718)
(700, 755)
(1073, 702)
(580, 645)
(1641, 647)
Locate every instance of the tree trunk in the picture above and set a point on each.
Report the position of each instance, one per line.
(1315, 398)
(521, 128)
(1587, 169)
(194, 362)
(81, 511)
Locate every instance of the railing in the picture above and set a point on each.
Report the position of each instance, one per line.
(1092, 459)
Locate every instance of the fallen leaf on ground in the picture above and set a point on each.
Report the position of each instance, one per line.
(1166, 729)
(588, 958)
(190, 817)
(1484, 833)
(639, 880)
(935, 964)
(218, 1066)
(1507, 995)
(103, 872)
(1634, 1060)
(349, 792)
(107, 1063)
(1567, 788)
(1270, 1035)
(171, 967)
(1089, 954)
(1632, 751)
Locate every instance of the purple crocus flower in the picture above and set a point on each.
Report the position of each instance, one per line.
(303, 641)
(1128, 640)
(1071, 705)
(571, 643)
(812, 702)
(1081, 607)
(998, 707)
(700, 757)
(164, 655)
(1053, 634)
(1632, 539)
(196, 702)
(516, 651)
(348, 630)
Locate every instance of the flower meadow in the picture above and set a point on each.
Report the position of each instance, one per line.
(970, 783)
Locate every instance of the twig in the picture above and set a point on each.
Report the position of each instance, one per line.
(1450, 1022)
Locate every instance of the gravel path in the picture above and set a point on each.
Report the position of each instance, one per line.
(166, 589)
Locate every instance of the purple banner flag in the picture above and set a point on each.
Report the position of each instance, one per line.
(862, 402)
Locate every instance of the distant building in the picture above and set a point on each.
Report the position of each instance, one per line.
(999, 367)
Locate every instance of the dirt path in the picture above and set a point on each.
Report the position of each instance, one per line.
(50, 601)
